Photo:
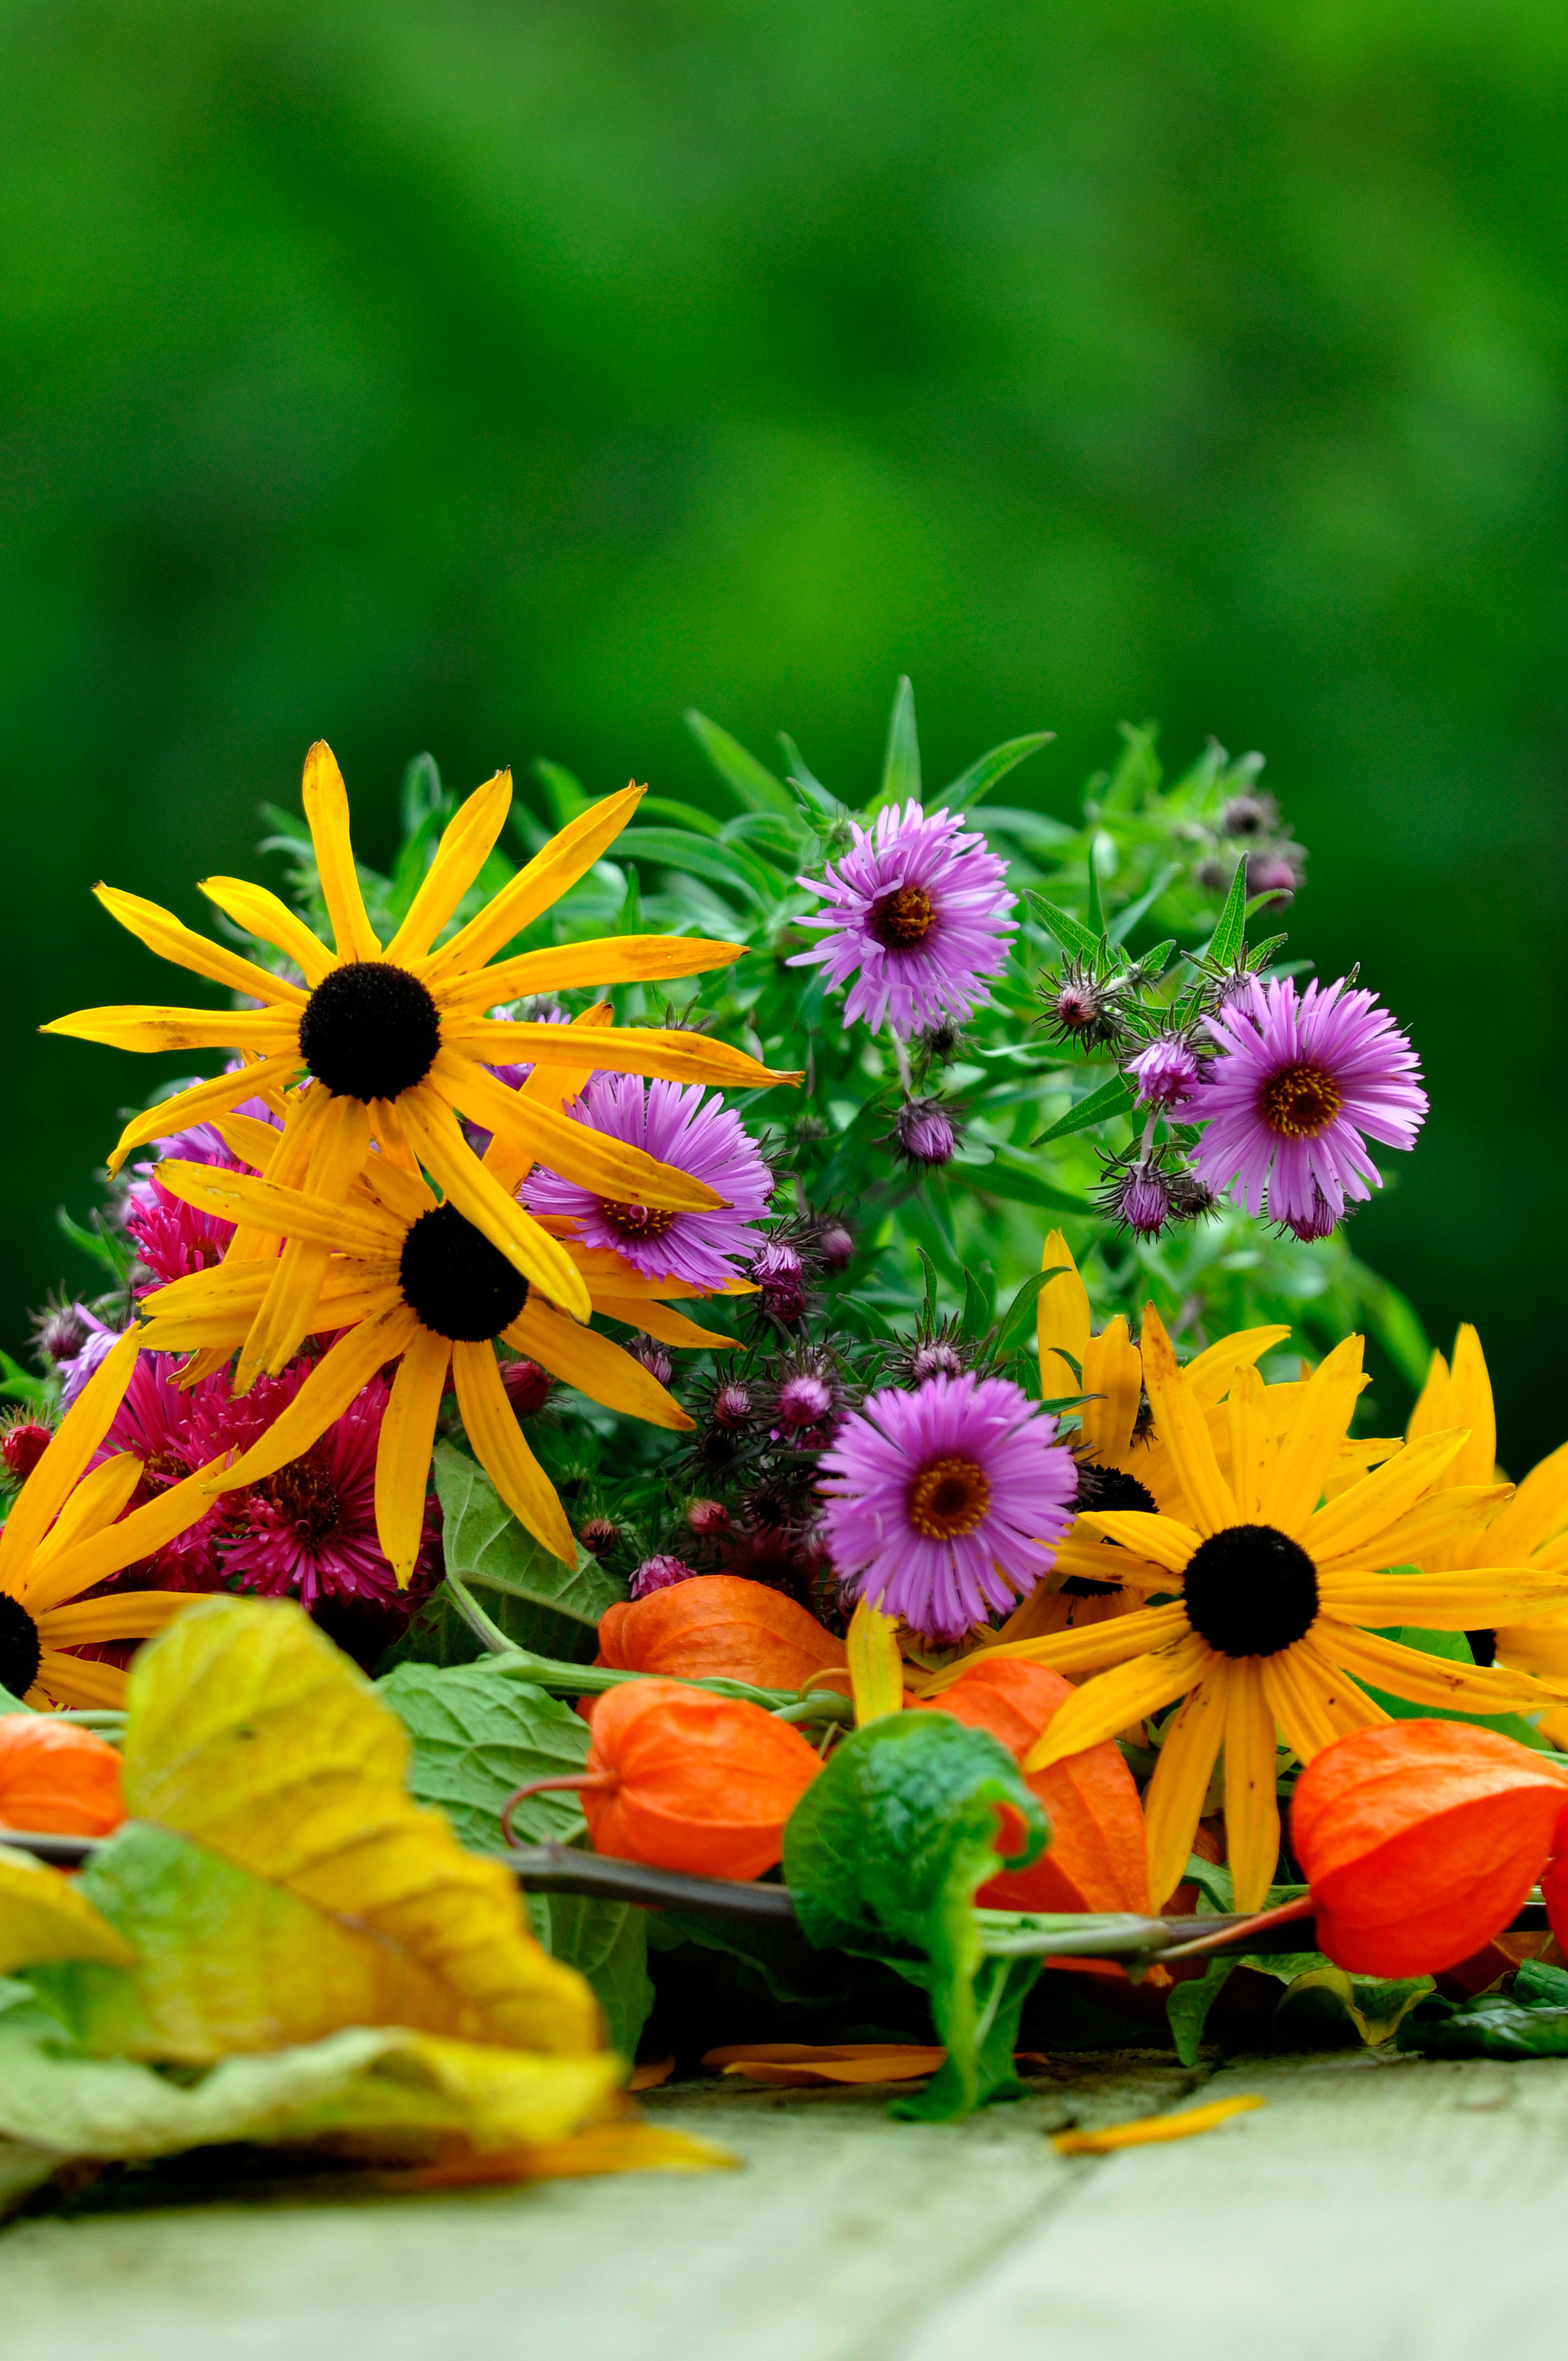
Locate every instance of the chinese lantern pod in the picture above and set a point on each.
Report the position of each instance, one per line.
(57, 1778)
(1419, 1840)
(1554, 1892)
(1097, 1857)
(719, 1626)
(704, 1784)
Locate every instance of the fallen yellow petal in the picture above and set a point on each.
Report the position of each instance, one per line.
(1150, 2128)
(800, 2064)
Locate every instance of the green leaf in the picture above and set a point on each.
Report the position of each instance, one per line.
(992, 769)
(883, 1854)
(535, 1599)
(802, 776)
(606, 1942)
(1394, 1320)
(1324, 2004)
(1187, 2007)
(112, 1254)
(423, 796)
(1121, 925)
(563, 793)
(901, 767)
(1230, 933)
(751, 783)
(1018, 1318)
(1068, 932)
(980, 1299)
(1529, 2022)
(684, 816)
(1094, 914)
(722, 865)
(478, 1735)
(20, 1385)
(1117, 1097)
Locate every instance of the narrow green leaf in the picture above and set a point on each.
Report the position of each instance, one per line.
(1018, 1318)
(980, 1299)
(751, 783)
(1124, 922)
(991, 769)
(1115, 1098)
(1230, 933)
(19, 1385)
(1068, 932)
(1094, 913)
(684, 816)
(562, 793)
(721, 865)
(1011, 1180)
(1395, 1322)
(805, 779)
(901, 769)
(422, 793)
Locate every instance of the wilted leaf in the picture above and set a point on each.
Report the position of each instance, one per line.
(44, 1916)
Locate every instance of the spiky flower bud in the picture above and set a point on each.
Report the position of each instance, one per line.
(1165, 1073)
(599, 1536)
(654, 1358)
(732, 1404)
(926, 1132)
(1137, 1194)
(22, 1445)
(781, 1276)
(1190, 1198)
(934, 1358)
(1278, 871)
(528, 1387)
(836, 1245)
(60, 1333)
(804, 1400)
(1309, 1227)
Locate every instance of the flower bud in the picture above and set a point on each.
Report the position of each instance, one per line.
(654, 1359)
(527, 1387)
(1165, 1073)
(707, 1517)
(1276, 872)
(780, 1276)
(599, 1536)
(926, 1132)
(658, 1572)
(836, 1247)
(733, 1405)
(1079, 1008)
(1318, 1224)
(1138, 1196)
(22, 1445)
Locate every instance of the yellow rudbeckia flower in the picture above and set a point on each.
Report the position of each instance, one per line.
(61, 1539)
(1284, 1594)
(1532, 1524)
(398, 1042)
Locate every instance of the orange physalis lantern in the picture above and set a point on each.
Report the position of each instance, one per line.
(1097, 1857)
(719, 1627)
(1419, 1840)
(56, 1778)
(681, 1779)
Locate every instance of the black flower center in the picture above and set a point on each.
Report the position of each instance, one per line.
(369, 1031)
(1299, 1102)
(1251, 1591)
(636, 1221)
(1079, 1586)
(457, 1283)
(1112, 1488)
(901, 919)
(21, 1651)
(948, 1498)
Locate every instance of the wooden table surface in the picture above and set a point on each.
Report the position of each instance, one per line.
(1377, 2208)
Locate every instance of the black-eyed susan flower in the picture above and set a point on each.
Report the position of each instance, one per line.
(408, 1277)
(61, 1539)
(396, 1039)
(1283, 1598)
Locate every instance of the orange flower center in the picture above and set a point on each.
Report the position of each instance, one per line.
(901, 920)
(948, 1498)
(635, 1221)
(1299, 1102)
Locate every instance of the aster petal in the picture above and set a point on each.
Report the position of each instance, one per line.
(1251, 1802)
(163, 933)
(1173, 1800)
(76, 1438)
(404, 1448)
(569, 854)
(326, 814)
(256, 912)
(1107, 1704)
(1309, 1449)
(1354, 1518)
(492, 1426)
(465, 1183)
(466, 844)
(609, 959)
(582, 1357)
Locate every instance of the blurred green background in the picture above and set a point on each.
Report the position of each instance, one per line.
(502, 377)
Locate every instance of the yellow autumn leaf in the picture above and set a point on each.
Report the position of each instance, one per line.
(251, 1734)
(44, 1918)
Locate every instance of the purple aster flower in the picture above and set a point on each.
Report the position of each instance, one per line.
(97, 1342)
(658, 1572)
(946, 1503)
(702, 1136)
(779, 1275)
(926, 1132)
(917, 915)
(530, 1012)
(1165, 1072)
(1300, 1078)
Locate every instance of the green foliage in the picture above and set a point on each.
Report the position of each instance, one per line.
(1531, 2022)
(884, 1854)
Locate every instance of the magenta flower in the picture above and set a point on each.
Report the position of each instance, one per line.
(309, 1531)
(945, 1504)
(1298, 1081)
(658, 1573)
(173, 1238)
(917, 916)
(1164, 1072)
(702, 1136)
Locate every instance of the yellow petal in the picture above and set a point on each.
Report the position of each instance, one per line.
(1335, 1702)
(126, 1614)
(261, 914)
(1541, 1649)
(97, 1500)
(1109, 1703)
(1470, 1405)
(1210, 1373)
(1476, 1599)
(611, 1167)
(1443, 1529)
(613, 958)
(44, 1916)
(1320, 1421)
(1252, 1446)
(164, 934)
(1182, 1426)
(1093, 1561)
(1113, 1373)
(80, 1682)
(1173, 1801)
(92, 1558)
(255, 1142)
(1163, 1539)
(290, 1213)
(671, 1057)
(464, 847)
(76, 1438)
(552, 872)
(1147, 2130)
(199, 1104)
(1252, 1803)
(1062, 1320)
(337, 1377)
(490, 1423)
(465, 1183)
(403, 1194)
(595, 1366)
(656, 1319)
(1537, 1511)
(270, 1030)
(326, 814)
(1072, 1652)
(404, 1451)
(340, 1140)
(1425, 1680)
(876, 1667)
(1354, 1518)
(1431, 1415)
(555, 1087)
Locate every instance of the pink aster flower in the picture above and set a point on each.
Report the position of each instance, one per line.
(1300, 1078)
(309, 1531)
(702, 1136)
(946, 1503)
(1164, 1072)
(917, 916)
(173, 1238)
